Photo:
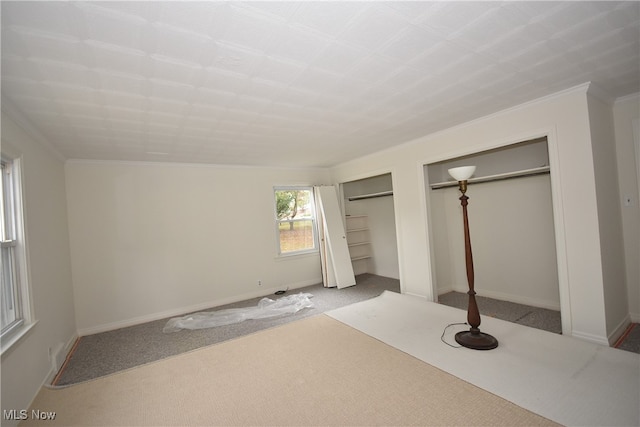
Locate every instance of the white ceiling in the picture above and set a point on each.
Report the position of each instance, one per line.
(295, 83)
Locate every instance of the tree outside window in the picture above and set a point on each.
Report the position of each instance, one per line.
(295, 220)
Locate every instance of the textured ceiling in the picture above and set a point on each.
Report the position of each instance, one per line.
(294, 83)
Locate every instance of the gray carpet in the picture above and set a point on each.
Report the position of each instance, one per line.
(108, 352)
(631, 340)
(540, 318)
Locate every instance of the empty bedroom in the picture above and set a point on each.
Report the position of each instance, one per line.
(261, 213)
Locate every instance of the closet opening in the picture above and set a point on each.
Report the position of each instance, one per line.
(370, 225)
(512, 234)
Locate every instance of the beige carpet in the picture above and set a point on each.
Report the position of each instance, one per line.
(315, 371)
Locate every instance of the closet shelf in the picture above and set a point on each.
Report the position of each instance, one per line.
(497, 177)
(355, 230)
(358, 244)
(370, 195)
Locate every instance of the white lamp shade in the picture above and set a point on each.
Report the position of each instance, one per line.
(462, 173)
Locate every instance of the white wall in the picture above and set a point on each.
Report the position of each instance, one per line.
(26, 365)
(155, 240)
(609, 217)
(625, 112)
(564, 119)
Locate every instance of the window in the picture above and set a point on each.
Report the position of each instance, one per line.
(15, 297)
(295, 220)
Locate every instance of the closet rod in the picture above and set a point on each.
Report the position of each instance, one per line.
(370, 196)
(508, 175)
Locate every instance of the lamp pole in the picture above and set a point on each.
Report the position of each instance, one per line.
(472, 338)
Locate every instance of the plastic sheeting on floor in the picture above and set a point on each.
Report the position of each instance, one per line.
(266, 308)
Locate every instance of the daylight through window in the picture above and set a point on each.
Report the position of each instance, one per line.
(11, 313)
(295, 220)
(15, 295)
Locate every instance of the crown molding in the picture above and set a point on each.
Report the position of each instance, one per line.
(630, 97)
(599, 93)
(151, 163)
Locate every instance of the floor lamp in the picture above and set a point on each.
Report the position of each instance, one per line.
(472, 338)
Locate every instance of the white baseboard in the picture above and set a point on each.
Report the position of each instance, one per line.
(446, 289)
(602, 340)
(415, 295)
(63, 353)
(635, 317)
(260, 292)
(619, 330)
(391, 274)
(533, 302)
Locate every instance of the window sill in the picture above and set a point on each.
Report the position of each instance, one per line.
(16, 336)
(285, 257)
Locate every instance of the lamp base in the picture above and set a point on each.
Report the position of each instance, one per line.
(476, 340)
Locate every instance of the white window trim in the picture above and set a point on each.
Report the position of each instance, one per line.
(304, 252)
(12, 336)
